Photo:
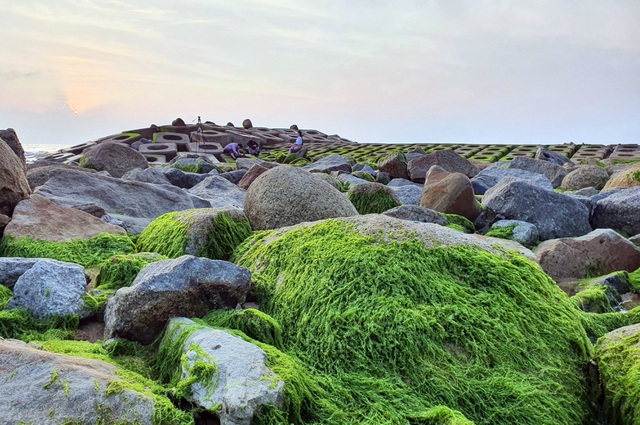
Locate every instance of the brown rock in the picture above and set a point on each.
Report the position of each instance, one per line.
(42, 219)
(449, 193)
(178, 122)
(11, 138)
(585, 176)
(597, 253)
(114, 158)
(395, 165)
(251, 175)
(628, 177)
(13, 180)
(448, 160)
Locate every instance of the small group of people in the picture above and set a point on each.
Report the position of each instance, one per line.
(235, 152)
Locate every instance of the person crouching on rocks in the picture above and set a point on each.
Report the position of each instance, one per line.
(253, 148)
(297, 145)
(233, 150)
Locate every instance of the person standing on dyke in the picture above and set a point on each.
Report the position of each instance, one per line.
(298, 144)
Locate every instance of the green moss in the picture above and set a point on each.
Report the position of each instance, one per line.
(594, 299)
(87, 253)
(190, 168)
(18, 323)
(396, 329)
(171, 234)
(505, 232)
(254, 323)
(459, 220)
(5, 296)
(597, 325)
(364, 176)
(121, 270)
(372, 199)
(634, 280)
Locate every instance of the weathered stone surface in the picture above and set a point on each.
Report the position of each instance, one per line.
(523, 232)
(491, 175)
(247, 124)
(553, 172)
(155, 175)
(38, 387)
(186, 286)
(349, 178)
(448, 160)
(395, 165)
(635, 240)
(39, 175)
(544, 154)
(247, 163)
(51, 287)
(183, 179)
(4, 220)
(328, 164)
(585, 176)
(11, 268)
(219, 192)
(399, 182)
(11, 139)
(417, 213)
(619, 211)
(42, 219)
(204, 163)
(135, 203)
(409, 194)
(243, 383)
(586, 191)
(234, 176)
(623, 179)
(597, 253)
(285, 195)
(251, 175)
(114, 158)
(450, 193)
(14, 186)
(555, 215)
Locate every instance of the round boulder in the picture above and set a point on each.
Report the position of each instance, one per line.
(585, 176)
(114, 158)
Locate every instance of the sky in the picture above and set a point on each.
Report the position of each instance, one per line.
(372, 71)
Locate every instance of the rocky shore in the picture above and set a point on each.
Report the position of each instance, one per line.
(148, 278)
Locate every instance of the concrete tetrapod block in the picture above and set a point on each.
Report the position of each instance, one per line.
(207, 148)
(169, 150)
(125, 138)
(180, 140)
(211, 136)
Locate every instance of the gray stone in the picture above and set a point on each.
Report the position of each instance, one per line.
(114, 158)
(14, 186)
(616, 280)
(37, 176)
(243, 384)
(399, 182)
(11, 268)
(366, 168)
(205, 162)
(587, 191)
(585, 176)
(153, 175)
(51, 288)
(490, 176)
(351, 179)
(395, 165)
(185, 286)
(234, 176)
(183, 179)
(523, 232)
(38, 387)
(447, 159)
(328, 164)
(417, 213)
(553, 172)
(544, 154)
(286, 195)
(619, 211)
(409, 194)
(247, 163)
(135, 203)
(219, 192)
(555, 215)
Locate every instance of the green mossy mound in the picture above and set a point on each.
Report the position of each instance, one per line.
(461, 223)
(505, 232)
(398, 329)
(18, 323)
(87, 253)
(208, 232)
(373, 198)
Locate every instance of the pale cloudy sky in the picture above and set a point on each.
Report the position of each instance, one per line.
(411, 71)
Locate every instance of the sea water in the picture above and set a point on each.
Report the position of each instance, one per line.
(31, 152)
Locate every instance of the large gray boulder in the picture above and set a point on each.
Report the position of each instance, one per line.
(38, 387)
(243, 383)
(417, 213)
(333, 162)
(555, 173)
(186, 286)
(491, 175)
(14, 186)
(447, 159)
(37, 176)
(544, 154)
(219, 192)
(284, 196)
(597, 253)
(155, 175)
(114, 158)
(555, 215)
(619, 211)
(585, 176)
(134, 203)
(11, 268)
(409, 194)
(51, 287)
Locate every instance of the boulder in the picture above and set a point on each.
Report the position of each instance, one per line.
(42, 219)
(286, 195)
(219, 192)
(554, 214)
(244, 383)
(399, 182)
(449, 193)
(544, 154)
(333, 162)
(623, 179)
(587, 191)
(11, 268)
(14, 186)
(155, 175)
(39, 175)
(409, 194)
(395, 165)
(521, 231)
(10, 137)
(585, 176)
(619, 211)
(114, 158)
(38, 387)
(178, 122)
(553, 172)
(251, 175)
(183, 179)
(49, 288)
(417, 213)
(187, 286)
(372, 198)
(597, 253)
(247, 124)
(447, 159)
(491, 175)
(134, 203)
(247, 163)
(194, 162)
(350, 179)
(234, 176)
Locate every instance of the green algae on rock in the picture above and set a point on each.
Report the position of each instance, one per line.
(207, 232)
(401, 324)
(373, 198)
(87, 253)
(460, 223)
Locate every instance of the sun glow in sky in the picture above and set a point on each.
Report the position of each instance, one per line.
(411, 71)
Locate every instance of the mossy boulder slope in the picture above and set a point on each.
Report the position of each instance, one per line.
(403, 320)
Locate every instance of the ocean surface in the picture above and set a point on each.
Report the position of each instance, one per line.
(31, 152)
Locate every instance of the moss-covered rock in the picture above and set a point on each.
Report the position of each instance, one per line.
(461, 223)
(205, 232)
(400, 325)
(373, 198)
